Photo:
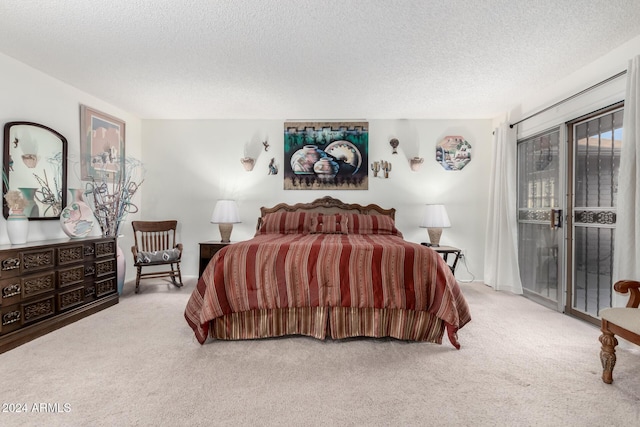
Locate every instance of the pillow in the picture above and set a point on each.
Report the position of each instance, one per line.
(286, 223)
(329, 224)
(158, 256)
(371, 224)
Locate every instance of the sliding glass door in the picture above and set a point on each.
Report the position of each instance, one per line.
(595, 143)
(540, 238)
(566, 237)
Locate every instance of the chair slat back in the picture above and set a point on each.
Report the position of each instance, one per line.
(152, 236)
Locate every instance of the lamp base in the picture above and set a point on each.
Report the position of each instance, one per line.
(225, 232)
(434, 236)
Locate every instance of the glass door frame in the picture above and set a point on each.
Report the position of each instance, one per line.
(570, 206)
(559, 304)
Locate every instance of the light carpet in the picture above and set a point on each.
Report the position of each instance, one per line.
(138, 363)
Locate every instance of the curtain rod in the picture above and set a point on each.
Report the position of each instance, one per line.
(621, 73)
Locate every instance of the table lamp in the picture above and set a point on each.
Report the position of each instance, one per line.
(435, 218)
(225, 214)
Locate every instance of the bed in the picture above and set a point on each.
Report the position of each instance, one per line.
(327, 269)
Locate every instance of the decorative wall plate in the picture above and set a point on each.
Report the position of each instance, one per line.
(453, 153)
(77, 219)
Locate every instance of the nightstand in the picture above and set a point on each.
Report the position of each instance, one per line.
(207, 251)
(445, 251)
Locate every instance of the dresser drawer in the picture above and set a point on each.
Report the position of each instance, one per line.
(105, 249)
(71, 276)
(15, 263)
(70, 298)
(105, 287)
(70, 254)
(37, 260)
(36, 310)
(10, 291)
(22, 288)
(106, 267)
(10, 264)
(10, 318)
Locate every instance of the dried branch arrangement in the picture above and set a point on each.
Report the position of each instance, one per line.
(111, 201)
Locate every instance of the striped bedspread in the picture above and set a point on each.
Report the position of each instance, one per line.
(331, 271)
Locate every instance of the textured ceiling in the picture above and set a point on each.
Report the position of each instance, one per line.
(306, 59)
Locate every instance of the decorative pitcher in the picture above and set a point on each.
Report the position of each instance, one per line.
(416, 163)
(248, 163)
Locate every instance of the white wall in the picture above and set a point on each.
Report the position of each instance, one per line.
(604, 67)
(27, 94)
(192, 163)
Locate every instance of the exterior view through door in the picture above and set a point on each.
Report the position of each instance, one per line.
(565, 238)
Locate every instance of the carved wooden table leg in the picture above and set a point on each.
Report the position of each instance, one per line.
(608, 355)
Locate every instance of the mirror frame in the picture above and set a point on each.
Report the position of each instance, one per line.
(5, 165)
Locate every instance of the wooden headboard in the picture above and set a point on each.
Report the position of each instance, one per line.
(327, 205)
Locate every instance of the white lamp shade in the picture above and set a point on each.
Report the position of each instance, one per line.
(225, 212)
(435, 216)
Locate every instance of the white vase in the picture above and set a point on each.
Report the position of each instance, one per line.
(17, 227)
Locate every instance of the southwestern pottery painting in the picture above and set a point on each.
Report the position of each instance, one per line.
(326, 155)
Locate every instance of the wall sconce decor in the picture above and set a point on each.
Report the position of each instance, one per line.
(248, 163)
(435, 218)
(394, 144)
(266, 145)
(416, 163)
(225, 214)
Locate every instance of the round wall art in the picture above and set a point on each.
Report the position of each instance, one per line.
(453, 153)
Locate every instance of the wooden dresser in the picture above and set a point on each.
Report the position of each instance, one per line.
(47, 285)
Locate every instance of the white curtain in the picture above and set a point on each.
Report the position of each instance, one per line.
(626, 261)
(501, 270)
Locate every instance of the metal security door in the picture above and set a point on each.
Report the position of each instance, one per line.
(540, 218)
(595, 144)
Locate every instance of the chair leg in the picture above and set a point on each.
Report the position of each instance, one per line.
(179, 276)
(138, 279)
(608, 355)
(176, 272)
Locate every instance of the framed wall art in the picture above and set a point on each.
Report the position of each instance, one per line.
(102, 145)
(326, 155)
(453, 153)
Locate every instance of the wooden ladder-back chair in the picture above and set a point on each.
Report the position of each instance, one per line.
(621, 321)
(155, 245)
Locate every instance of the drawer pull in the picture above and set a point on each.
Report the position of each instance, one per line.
(11, 290)
(89, 251)
(10, 264)
(10, 317)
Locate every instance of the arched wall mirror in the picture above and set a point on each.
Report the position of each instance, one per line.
(35, 163)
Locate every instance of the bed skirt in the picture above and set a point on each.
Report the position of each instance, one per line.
(336, 322)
